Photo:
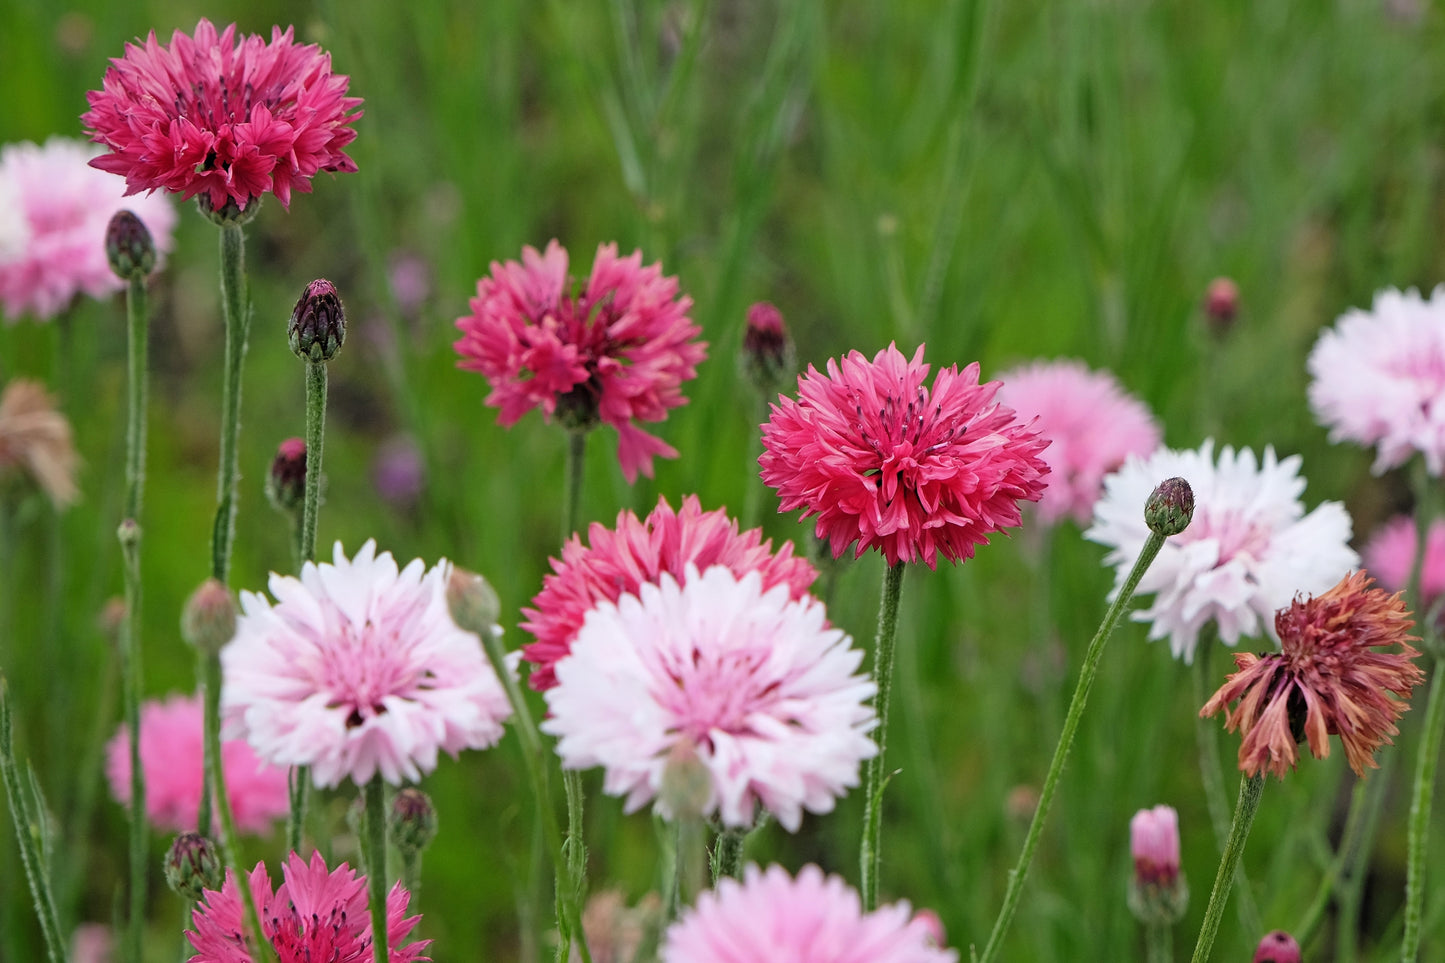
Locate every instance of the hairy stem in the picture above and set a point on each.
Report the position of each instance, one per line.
(870, 855)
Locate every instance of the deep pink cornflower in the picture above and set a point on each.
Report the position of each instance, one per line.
(618, 351)
(889, 464)
(1092, 425)
(1390, 557)
(619, 561)
(231, 118)
(1327, 679)
(316, 914)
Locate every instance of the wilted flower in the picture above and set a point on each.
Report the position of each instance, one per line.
(889, 464)
(1328, 679)
(1390, 557)
(227, 118)
(35, 439)
(618, 351)
(1248, 548)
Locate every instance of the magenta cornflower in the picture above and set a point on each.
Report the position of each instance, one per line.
(358, 669)
(619, 561)
(173, 757)
(754, 685)
(618, 351)
(889, 464)
(1390, 556)
(1328, 679)
(63, 206)
(315, 914)
(770, 917)
(225, 117)
(1091, 423)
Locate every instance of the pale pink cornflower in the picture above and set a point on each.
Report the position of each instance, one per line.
(1328, 679)
(358, 670)
(92, 943)
(1378, 378)
(65, 205)
(1154, 846)
(315, 914)
(1249, 548)
(1091, 423)
(172, 756)
(884, 462)
(770, 917)
(619, 561)
(616, 351)
(1390, 556)
(745, 680)
(230, 118)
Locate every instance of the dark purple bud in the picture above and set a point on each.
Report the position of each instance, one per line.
(286, 483)
(318, 325)
(128, 246)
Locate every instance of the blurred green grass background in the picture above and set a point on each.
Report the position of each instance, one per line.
(1002, 181)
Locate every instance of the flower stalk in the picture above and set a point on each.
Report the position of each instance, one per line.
(1421, 801)
(1250, 789)
(31, 851)
(869, 853)
(727, 854)
(373, 843)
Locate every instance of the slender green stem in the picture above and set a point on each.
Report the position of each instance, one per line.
(411, 873)
(1066, 740)
(1304, 930)
(30, 854)
(869, 853)
(1250, 789)
(236, 312)
(727, 854)
(1352, 893)
(135, 434)
(130, 670)
(568, 910)
(1421, 800)
(210, 727)
(753, 491)
(574, 846)
(1158, 942)
(373, 841)
(315, 438)
(296, 787)
(687, 864)
(572, 483)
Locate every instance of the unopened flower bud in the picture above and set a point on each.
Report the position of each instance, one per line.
(767, 356)
(472, 601)
(208, 621)
(413, 821)
(128, 532)
(193, 866)
(1221, 304)
(128, 246)
(1277, 947)
(318, 324)
(286, 482)
(686, 782)
(1158, 892)
(1170, 507)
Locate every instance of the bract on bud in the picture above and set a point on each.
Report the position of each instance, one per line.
(129, 247)
(472, 601)
(208, 621)
(686, 790)
(1170, 507)
(286, 482)
(228, 214)
(318, 324)
(767, 357)
(1277, 947)
(1158, 892)
(413, 821)
(193, 866)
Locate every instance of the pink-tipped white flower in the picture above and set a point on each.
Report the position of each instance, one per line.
(64, 206)
(1378, 378)
(358, 669)
(1248, 550)
(771, 917)
(754, 685)
(1091, 423)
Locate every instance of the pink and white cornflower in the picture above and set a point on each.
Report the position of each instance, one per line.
(771, 917)
(618, 351)
(1378, 378)
(1092, 425)
(315, 914)
(1154, 846)
(886, 463)
(1390, 557)
(227, 117)
(172, 757)
(619, 561)
(753, 684)
(358, 670)
(1249, 548)
(14, 228)
(64, 206)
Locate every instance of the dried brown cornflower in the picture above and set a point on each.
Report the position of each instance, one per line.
(35, 439)
(1328, 679)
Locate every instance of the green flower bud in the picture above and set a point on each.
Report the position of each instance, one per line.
(128, 246)
(193, 866)
(1170, 507)
(413, 823)
(472, 601)
(208, 621)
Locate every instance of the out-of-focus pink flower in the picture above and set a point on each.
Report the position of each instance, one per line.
(1249, 548)
(1328, 679)
(1221, 303)
(410, 280)
(1277, 947)
(172, 756)
(358, 669)
(747, 681)
(1091, 423)
(889, 464)
(620, 561)
(92, 943)
(1154, 845)
(617, 352)
(397, 471)
(65, 206)
(1390, 557)
(1378, 378)
(315, 914)
(230, 118)
(772, 918)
